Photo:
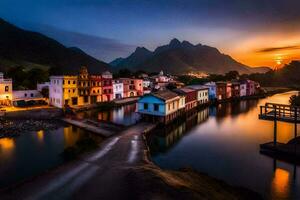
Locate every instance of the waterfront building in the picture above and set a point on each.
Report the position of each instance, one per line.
(96, 89)
(138, 85)
(20, 97)
(228, 90)
(5, 90)
(63, 91)
(161, 106)
(190, 97)
(132, 87)
(107, 86)
(235, 89)
(84, 87)
(118, 89)
(211, 90)
(202, 93)
(221, 90)
(243, 88)
(250, 87)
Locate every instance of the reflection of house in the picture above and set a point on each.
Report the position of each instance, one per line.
(162, 106)
(107, 87)
(118, 89)
(211, 90)
(5, 90)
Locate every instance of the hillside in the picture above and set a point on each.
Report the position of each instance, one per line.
(31, 49)
(181, 57)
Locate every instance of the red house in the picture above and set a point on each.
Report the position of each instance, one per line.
(107, 86)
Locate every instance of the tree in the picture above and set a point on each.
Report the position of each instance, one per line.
(45, 92)
(231, 75)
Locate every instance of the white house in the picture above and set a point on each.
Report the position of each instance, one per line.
(118, 89)
(243, 88)
(26, 95)
(202, 93)
(41, 86)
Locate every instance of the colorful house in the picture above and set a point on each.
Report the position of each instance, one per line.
(221, 90)
(228, 90)
(235, 89)
(243, 88)
(118, 89)
(162, 106)
(84, 87)
(5, 90)
(96, 89)
(190, 97)
(212, 93)
(63, 91)
(202, 93)
(107, 86)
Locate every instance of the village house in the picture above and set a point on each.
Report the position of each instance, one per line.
(243, 88)
(107, 87)
(23, 97)
(235, 89)
(84, 87)
(96, 89)
(211, 90)
(161, 106)
(190, 97)
(118, 89)
(6, 95)
(228, 90)
(221, 91)
(63, 91)
(132, 87)
(202, 93)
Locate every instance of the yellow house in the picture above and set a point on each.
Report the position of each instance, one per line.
(5, 91)
(63, 91)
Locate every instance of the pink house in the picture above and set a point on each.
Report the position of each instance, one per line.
(138, 84)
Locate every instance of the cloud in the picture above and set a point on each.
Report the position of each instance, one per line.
(274, 49)
(102, 48)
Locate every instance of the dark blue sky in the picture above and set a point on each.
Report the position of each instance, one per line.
(108, 29)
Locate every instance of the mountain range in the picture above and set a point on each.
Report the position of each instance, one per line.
(20, 47)
(182, 57)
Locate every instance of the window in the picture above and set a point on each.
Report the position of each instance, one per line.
(173, 105)
(6, 88)
(25, 94)
(156, 107)
(169, 105)
(73, 90)
(69, 91)
(86, 99)
(145, 106)
(31, 95)
(63, 82)
(74, 82)
(69, 82)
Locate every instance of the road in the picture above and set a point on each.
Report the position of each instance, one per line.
(100, 175)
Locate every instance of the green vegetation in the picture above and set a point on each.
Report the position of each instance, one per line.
(27, 78)
(83, 145)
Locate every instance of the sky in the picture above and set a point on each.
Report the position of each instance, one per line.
(254, 32)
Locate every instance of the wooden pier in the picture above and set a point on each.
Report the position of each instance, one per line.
(284, 113)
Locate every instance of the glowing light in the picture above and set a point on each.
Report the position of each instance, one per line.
(40, 135)
(280, 183)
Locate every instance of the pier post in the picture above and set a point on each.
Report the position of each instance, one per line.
(275, 128)
(295, 122)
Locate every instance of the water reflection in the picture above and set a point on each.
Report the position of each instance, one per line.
(230, 136)
(124, 115)
(32, 153)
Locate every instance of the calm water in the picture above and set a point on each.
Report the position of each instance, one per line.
(224, 142)
(33, 153)
(124, 115)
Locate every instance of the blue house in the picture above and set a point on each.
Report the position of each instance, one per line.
(212, 90)
(162, 106)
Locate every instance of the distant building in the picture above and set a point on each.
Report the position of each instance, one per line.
(95, 89)
(118, 89)
(243, 88)
(221, 90)
(5, 90)
(228, 90)
(202, 93)
(235, 89)
(132, 87)
(190, 97)
(63, 91)
(162, 106)
(107, 87)
(84, 87)
(211, 90)
(41, 86)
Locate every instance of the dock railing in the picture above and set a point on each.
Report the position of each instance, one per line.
(280, 112)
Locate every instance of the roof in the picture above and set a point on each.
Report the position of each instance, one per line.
(198, 87)
(165, 94)
(184, 90)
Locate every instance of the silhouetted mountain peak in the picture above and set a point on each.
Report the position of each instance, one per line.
(175, 43)
(141, 50)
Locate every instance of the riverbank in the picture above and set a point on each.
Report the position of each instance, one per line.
(121, 169)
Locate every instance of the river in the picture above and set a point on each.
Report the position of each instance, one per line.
(224, 141)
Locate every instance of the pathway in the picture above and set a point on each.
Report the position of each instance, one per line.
(100, 175)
